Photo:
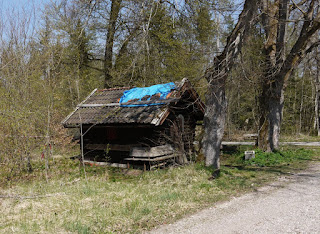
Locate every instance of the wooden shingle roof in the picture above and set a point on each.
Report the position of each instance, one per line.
(103, 107)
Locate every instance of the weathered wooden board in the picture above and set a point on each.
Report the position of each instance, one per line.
(111, 147)
(151, 151)
(237, 143)
(151, 159)
(120, 165)
(158, 165)
(250, 136)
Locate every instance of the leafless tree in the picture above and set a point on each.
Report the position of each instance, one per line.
(216, 75)
(281, 58)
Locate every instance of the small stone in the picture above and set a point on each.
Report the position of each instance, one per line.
(249, 155)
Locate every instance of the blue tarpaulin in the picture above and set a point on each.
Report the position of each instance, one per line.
(138, 93)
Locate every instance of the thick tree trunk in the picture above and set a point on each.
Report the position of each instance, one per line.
(216, 103)
(279, 67)
(317, 93)
(275, 119)
(317, 108)
(108, 55)
(214, 122)
(271, 108)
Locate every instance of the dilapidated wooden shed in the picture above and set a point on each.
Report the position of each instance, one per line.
(146, 130)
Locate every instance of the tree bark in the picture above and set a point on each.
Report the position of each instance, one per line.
(216, 102)
(214, 122)
(317, 94)
(108, 55)
(279, 67)
(271, 103)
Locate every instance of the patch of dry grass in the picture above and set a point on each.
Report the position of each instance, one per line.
(112, 200)
(299, 138)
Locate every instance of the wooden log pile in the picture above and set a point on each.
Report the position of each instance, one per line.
(152, 156)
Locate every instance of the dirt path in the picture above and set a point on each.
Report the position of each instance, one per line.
(281, 207)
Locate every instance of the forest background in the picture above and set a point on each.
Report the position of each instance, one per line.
(51, 59)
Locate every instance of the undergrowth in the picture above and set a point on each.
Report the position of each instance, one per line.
(279, 158)
(286, 156)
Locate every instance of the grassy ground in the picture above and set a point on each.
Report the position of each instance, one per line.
(300, 138)
(114, 200)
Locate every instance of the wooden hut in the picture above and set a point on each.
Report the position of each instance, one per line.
(147, 130)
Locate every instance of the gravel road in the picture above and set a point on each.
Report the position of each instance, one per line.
(291, 205)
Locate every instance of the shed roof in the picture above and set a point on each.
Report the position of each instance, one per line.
(103, 107)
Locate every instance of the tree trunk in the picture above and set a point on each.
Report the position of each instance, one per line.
(275, 119)
(317, 105)
(216, 103)
(271, 107)
(279, 66)
(317, 94)
(214, 122)
(301, 107)
(108, 55)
